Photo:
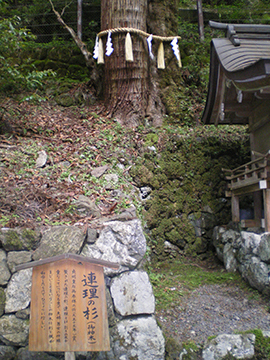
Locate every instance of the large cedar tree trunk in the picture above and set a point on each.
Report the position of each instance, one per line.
(129, 89)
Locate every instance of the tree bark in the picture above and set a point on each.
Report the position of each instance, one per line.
(126, 85)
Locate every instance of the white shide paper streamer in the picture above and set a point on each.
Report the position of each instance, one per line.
(95, 53)
(109, 47)
(149, 42)
(175, 48)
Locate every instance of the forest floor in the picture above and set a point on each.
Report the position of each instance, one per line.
(77, 140)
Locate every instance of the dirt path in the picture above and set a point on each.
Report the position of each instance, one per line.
(213, 310)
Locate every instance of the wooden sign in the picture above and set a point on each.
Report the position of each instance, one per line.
(68, 305)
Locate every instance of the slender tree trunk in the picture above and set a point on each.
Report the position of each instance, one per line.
(126, 85)
(200, 19)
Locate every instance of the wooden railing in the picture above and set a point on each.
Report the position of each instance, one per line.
(251, 178)
(246, 178)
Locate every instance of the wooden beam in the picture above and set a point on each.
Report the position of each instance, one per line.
(235, 208)
(70, 256)
(219, 95)
(245, 190)
(266, 195)
(233, 106)
(251, 223)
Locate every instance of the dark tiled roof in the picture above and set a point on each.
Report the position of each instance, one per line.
(237, 58)
(239, 73)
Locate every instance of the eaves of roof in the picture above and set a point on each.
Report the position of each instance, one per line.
(246, 66)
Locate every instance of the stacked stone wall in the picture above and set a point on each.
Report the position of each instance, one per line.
(134, 333)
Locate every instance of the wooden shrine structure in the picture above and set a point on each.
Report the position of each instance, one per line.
(239, 93)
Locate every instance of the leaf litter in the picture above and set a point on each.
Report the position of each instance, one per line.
(47, 160)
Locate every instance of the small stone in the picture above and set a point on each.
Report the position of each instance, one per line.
(7, 352)
(145, 191)
(59, 240)
(13, 331)
(4, 271)
(99, 171)
(23, 314)
(42, 159)
(15, 258)
(92, 236)
(238, 346)
(87, 206)
(18, 293)
(111, 181)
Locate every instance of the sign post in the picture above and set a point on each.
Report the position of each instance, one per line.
(70, 355)
(68, 305)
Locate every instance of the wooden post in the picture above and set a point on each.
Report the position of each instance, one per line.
(257, 205)
(70, 355)
(79, 19)
(235, 208)
(200, 19)
(266, 198)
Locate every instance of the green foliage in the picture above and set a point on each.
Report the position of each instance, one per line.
(262, 345)
(38, 16)
(13, 74)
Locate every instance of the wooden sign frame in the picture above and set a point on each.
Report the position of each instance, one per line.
(68, 304)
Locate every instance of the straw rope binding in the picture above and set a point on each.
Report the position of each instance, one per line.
(137, 31)
(128, 45)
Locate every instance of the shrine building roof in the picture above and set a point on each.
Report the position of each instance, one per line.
(239, 73)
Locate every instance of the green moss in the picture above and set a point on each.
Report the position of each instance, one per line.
(2, 301)
(142, 175)
(172, 349)
(262, 345)
(13, 240)
(185, 178)
(151, 139)
(170, 98)
(30, 238)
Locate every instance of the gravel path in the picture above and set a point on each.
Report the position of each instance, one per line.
(213, 310)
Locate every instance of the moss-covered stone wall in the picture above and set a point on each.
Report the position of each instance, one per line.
(185, 175)
(64, 58)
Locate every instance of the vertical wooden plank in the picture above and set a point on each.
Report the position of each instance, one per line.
(266, 194)
(39, 309)
(235, 208)
(257, 198)
(70, 355)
